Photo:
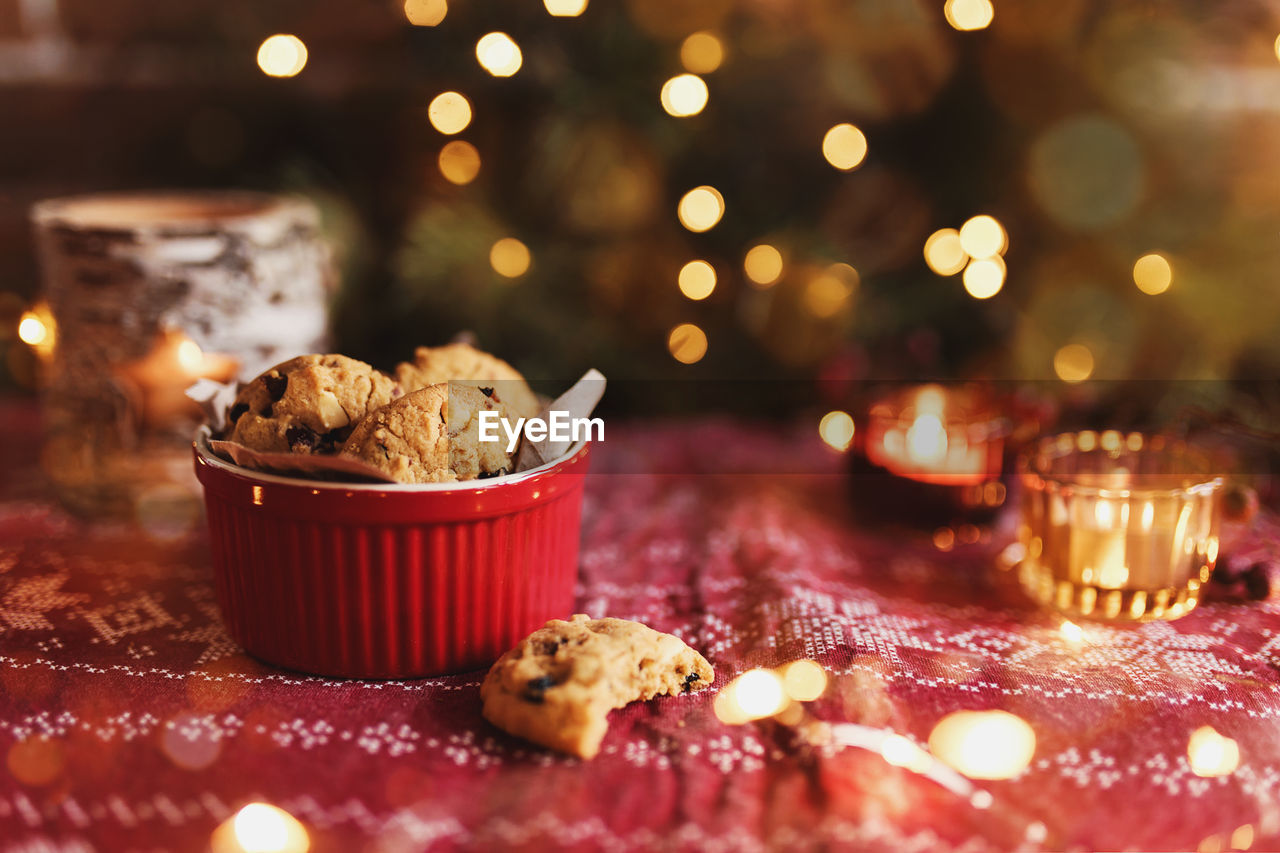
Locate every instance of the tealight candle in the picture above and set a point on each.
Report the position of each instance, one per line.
(1117, 526)
(940, 450)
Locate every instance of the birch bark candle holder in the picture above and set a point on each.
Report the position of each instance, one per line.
(149, 292)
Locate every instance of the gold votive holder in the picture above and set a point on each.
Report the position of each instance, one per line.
(1118, 526)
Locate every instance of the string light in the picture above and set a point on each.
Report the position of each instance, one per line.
(701, 53)
(1152, 274)
(984, 744)
(509, 257)
(944, 253)
(261, 828)
(1071, 632)
(190, 356)
(967, 15)
(1212, 754)
(282, 55)
(844, 146)
(836, 429)
(684, 95)
(984, 278)
(697, 280)
(983, 237)
(1073, 363)
(901, 752)
(459, 162)
(687, 343)
(425, 13)
(700, 208)
(805, 680)
(449, 113)
(828, 291)
(763, 265)
(498, 54)
(565, 8)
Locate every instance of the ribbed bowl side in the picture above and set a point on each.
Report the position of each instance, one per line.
(391, 600)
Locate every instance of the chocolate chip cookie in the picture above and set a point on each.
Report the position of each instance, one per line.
(432, 436)
(558, 685)
(308, 404)
(464, 364)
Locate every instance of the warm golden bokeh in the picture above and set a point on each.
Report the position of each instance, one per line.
(498, 54)
(687, 343)
(701, 53)
(967, 15)
(944, 253)
(984, 744)
(697, 280)
(984, 278)
(684, 95)
(829, 291)
(282, 55)
(806, 680)
(700, 208)
(1073, 363)
(260, 828)
(449, 113)
(459, 162)
(983, 237)
(844, 146)
(565, 8)
(510, 258)
(1212, 754)
(763, 265)
(425, 13)
(836, 429)
(1153, 274)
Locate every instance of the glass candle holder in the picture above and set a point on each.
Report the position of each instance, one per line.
(1120, 527)
(931, 456)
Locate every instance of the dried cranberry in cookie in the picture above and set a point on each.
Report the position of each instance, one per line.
(308, 404)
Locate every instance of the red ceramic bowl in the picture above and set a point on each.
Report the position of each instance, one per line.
(391, 581)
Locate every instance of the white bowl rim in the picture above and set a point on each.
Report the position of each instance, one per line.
(206, 453)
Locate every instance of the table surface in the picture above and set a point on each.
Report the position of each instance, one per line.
(130, 721)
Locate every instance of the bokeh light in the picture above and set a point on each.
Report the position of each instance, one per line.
(32, 330)
(984, 278)
(459, 162)
(425, 13)
(901, 752)
(282, 55)
(968, 15)
(700, 208)
(983, 236)
(1212, 754)
(697, 280)
(565, 8)
(806, 680)
(836, 429)
(190, 356)
(1153, 274)
(498, 54)
(684, 95)
(36, 760)
(687, 343)
(984, 744)
(754, 695)
(509, 257)
(763, 265)
(449, 113)
(829, 291)
(1071, 632)
(261, 828)
(844, 146)
(701, 53)
(944, 253)
(1073, 363)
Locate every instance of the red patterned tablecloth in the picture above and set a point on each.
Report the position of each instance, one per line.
(129, 721)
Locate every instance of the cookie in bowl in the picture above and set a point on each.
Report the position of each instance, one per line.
(432, 435)
(309, 404)
(464, 364)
